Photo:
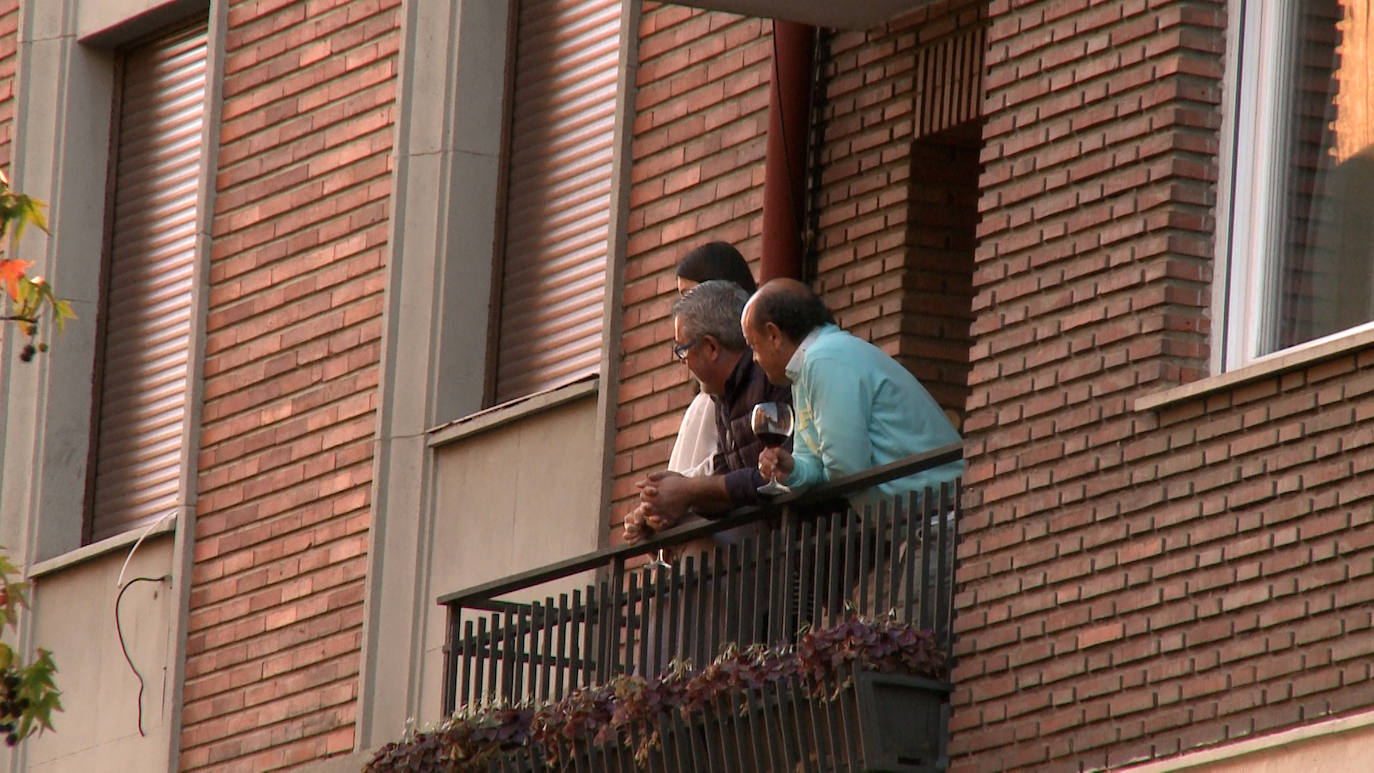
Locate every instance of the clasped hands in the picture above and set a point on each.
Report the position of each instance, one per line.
(662, 503)
(664, 497)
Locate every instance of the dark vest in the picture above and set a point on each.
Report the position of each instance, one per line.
(747, 386)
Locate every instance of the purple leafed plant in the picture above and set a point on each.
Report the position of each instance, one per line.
(629, 707)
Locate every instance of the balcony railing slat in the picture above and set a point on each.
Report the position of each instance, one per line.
(574, 641)
(495, 674)
(450, 656)
(695, 611)
(563, 623)
(643, 625)
(824, 737)
(763, 709)
(767, 599)
(789, 581)
(676, 598)
(672, 749)
(508, 643)
(882, 563)
(898, 542)
(866, 559)
(597, 646)
(650, 581)
(730, 720)
(749, 728)
(792, 716)
(928, 558)
(849, 716)
(632, 624)
(807, 589)
(949, 527)
(688, 750)
(523, 653)
(469, 645)
(787, 753)
(546, 646)
(847, 543)
(911, 555)
(753, 584)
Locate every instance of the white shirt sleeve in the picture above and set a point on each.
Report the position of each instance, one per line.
(696, 439)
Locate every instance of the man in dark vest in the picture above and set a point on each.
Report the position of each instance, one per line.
(708, 338)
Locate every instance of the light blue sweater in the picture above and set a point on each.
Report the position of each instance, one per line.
(857, 408)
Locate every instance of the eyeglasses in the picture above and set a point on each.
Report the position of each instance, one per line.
(680, 350)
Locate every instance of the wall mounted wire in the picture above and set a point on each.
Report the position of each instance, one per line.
(119, 629)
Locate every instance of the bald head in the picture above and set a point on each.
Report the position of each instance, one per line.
(789, 305)
(776, 320)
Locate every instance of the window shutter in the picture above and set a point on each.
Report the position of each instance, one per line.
(147, 313)
(558, 194)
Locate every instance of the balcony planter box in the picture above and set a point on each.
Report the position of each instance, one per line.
(903, 721)
(873, 722)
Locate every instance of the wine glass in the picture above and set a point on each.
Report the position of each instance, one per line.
(658, 563)
(772, 424)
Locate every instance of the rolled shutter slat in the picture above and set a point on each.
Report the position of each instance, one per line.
(142, 403)
(557, 228)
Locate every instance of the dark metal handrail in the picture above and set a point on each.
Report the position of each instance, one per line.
(798, 566)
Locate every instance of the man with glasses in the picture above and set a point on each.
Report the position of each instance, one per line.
(707, 337)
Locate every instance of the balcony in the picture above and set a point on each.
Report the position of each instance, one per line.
(760, 576)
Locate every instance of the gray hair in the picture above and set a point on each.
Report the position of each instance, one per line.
(713, 308)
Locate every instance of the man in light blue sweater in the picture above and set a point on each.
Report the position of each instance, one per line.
(856, 408)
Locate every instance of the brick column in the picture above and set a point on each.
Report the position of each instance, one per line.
(291, 371)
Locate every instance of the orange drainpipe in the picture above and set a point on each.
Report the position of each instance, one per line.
(784, 166)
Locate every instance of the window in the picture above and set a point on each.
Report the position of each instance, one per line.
(559, 145)
(146, 319)
(1301, 237)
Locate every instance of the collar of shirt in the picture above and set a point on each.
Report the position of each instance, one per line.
(794, 365)
(739, 377)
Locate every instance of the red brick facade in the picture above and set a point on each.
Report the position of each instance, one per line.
(1136, 584)
(291, 372)
(1132, 584)
(9, 39)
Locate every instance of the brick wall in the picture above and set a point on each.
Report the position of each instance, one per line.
(895, 213)
(701, 115)
(291, 370)
(1138, 584)
(9, 40)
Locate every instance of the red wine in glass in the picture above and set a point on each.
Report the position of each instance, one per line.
(772, 424)
(772, 439)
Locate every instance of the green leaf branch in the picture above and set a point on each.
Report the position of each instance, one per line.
(28, 694)
(26, 300)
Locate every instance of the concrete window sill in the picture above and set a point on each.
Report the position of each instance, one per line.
(1281, 362)
(104, 547)
(506, 413)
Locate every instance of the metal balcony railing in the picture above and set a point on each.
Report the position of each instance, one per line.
(799, 561)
